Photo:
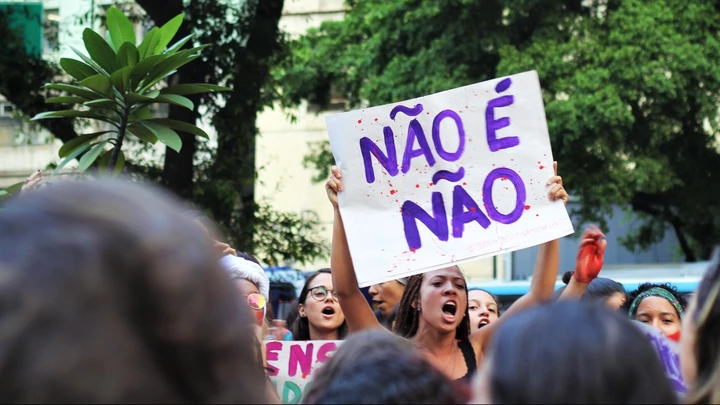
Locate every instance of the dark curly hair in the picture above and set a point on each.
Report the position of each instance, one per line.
(599, 289)
(108, 294)
(301, 326)
(561, 336)
(376, 367)
(407, 319)
(646, 286)
(494, 297)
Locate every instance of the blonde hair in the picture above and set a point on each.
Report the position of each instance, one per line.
(706, 321)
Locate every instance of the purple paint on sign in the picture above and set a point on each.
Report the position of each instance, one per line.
(503, 85)
(448, 175)
(450, 157)
(389, 161)
(521, 196)
(416, 132)
(437, 223)
(411, 112)
(492, 125)
(462, 200)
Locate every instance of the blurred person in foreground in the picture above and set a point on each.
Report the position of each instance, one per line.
(109, 294)
(376, 367)
(700, 341)
(571, 352)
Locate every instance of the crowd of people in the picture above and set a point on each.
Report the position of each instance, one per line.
(113, 291)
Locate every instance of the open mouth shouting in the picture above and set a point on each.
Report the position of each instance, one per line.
(328, 312)
(483, 321)
(449, 310)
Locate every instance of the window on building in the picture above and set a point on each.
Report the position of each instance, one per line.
(6, 110)
(51, 28)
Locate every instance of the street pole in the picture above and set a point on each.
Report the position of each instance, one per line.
(92, 14)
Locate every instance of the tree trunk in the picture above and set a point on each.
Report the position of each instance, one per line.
(178, 170)
(236, 122)
(649, 204)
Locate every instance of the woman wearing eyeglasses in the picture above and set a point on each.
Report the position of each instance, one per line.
(319, 314)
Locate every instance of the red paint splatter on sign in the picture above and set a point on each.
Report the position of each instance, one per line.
(503, 178)
(542, 167)
(417, 186)
(527, 207)
(359, 121)
(464, 183)
(393, 191)
(432, 184)
(376, 119)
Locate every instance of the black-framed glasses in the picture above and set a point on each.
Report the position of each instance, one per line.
(320, 293)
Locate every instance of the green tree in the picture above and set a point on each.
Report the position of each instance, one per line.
(243, 49)
(244, 44)
(630, 87)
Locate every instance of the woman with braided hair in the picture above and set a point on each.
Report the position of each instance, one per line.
(433, 311)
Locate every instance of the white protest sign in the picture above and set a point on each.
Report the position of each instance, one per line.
(290, 365)
(446, 178)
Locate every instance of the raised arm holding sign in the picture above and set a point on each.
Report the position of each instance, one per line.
(393, 232)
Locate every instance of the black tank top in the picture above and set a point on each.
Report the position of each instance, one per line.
(470, 360)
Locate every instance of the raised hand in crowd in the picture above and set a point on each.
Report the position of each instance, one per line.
(224, 248)
(588, 264)
(557, 190)
(32, 181)
(590, 255)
